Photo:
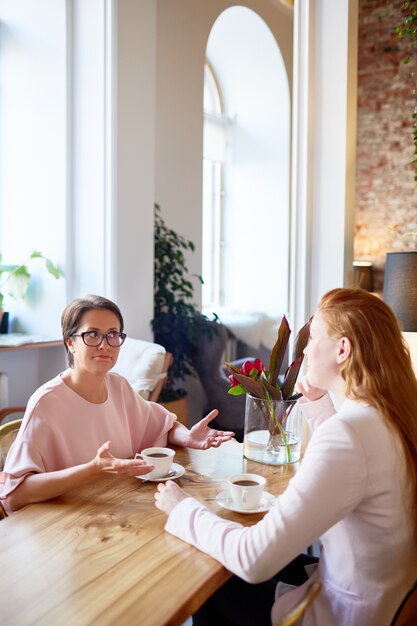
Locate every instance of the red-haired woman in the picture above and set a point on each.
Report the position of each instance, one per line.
(356, 488)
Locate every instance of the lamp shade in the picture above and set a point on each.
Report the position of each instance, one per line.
(400, 287)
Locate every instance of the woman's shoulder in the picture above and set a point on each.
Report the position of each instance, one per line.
(119, 386)
(356, 426)
(53, 386)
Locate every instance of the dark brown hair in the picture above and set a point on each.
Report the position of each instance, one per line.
(73, 312)
(379, 371)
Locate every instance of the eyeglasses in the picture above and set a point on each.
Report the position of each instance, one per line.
(93, 339)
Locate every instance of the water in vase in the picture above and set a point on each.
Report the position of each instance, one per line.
(256, 448)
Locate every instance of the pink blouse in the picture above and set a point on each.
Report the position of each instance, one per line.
(61, 429)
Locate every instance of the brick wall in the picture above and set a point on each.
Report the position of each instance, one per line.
(386, 193)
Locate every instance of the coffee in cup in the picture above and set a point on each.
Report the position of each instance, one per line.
(160, 458)
(246, 490)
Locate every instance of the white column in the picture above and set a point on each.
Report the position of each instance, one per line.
(324, 139)
(135, 34)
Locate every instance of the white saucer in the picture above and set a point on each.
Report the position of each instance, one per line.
(175, 467)
(267, 501)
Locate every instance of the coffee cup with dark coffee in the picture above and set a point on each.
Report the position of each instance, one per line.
(246, 490)
(160, 458)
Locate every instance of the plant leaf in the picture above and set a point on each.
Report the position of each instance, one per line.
(301, 340)
(18, 282)
(254, 387)
(233, 369)
(279, 350)
(53, 269)
(274, 392)
(291, 378)
(237, 390)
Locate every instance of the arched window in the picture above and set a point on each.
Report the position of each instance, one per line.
(215, 124)
(246, 182)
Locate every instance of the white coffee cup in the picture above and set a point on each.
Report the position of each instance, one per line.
(246, 490)
(160, 458)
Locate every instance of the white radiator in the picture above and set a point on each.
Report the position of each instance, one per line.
(4, 390)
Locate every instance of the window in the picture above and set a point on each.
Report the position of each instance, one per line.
(246, 169)
(215, 124)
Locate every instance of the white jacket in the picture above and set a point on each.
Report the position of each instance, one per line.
(351, 492)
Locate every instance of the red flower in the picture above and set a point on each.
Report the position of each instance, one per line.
(248, 366)
(233, 381)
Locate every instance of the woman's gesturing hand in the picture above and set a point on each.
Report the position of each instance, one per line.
(168, 495)
(104, 461)
(202, 436)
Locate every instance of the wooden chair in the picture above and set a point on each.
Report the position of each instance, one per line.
(10, 413)
(154, 395)
(406, 614)
(8, 434)
(297, 612)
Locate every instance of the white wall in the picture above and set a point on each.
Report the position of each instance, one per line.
(134, 162)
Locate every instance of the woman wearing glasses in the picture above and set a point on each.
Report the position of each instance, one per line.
(86, 420)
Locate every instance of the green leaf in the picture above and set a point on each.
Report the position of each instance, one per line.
(53, 269)
(237, 390)
(18, 282)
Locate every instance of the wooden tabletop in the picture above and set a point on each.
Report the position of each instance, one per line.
(100, 555)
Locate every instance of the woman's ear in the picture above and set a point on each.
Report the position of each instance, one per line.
(70, 344)
(345, 350)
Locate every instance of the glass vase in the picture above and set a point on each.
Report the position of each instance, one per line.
(272, 431)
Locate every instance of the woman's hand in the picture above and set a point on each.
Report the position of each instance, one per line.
(201, 436)
(106, 462)
(309, 392)
(168, 495)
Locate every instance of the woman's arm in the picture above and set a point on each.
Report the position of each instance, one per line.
(46, 485)
(329, 485)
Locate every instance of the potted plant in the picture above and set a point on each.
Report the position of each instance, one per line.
(177, 322)
(15, 279)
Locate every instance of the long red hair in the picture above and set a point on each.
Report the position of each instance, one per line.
(379, 371)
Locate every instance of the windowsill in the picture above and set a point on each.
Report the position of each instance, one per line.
(22, 341)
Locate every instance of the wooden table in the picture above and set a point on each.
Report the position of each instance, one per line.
(100, 555)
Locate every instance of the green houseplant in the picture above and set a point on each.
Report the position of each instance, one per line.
(15, 279)
(177, 321)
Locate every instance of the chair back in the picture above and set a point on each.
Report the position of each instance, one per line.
(145, 365)
(3, 513)
(8, 434)
(406, 614)
(10, 413)
(298, 611)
